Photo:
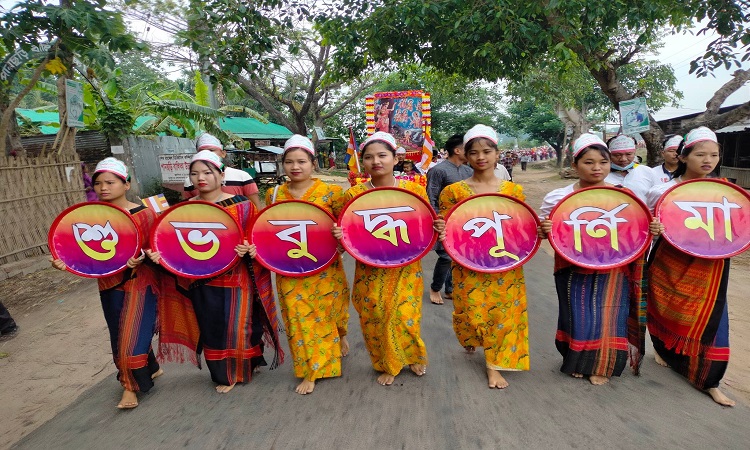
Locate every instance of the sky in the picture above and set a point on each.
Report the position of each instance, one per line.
(678, 51)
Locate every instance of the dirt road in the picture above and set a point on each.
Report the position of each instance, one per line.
(63, 350)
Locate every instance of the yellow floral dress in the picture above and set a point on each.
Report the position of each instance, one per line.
(315, 309)
(490, 309)
(389, 304)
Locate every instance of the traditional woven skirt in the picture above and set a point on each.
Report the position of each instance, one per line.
(592, 325)
(687, 314)
(131, 319)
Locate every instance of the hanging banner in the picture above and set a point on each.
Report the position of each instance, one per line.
(74, 103)
(294, 238)
(196, 239)
(94, 239)
(600, 228)
(634, 116)
(9, 67)
(491, 233)
(406, 115)
(387, 227)
(707, 218)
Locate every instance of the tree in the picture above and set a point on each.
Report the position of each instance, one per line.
(265, 48)
(72, 28)
(457, 103)
(505, 39)
(538, 121)
(570, 93)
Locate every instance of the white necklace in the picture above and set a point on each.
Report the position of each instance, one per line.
(395, 183)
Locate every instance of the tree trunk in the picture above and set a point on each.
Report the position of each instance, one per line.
(14, 137)
(66, 136)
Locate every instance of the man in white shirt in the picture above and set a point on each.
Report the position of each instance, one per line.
(625, 172)
(663, 173)
(236, 182)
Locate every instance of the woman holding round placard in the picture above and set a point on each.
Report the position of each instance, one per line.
(600, 321)
(389, 300)
(315, 308)
(489, 308)
(235, 310)
(128, 298)
(687, 296)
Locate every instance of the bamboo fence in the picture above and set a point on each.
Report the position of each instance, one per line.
(33, 191)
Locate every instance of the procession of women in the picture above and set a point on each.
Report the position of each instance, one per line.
(637, 250)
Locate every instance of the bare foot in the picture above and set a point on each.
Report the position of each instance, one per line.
(386, 379)
(449, 295)
(222, 389)
(306, 387)
(418, 369)
(660, 361)
(597, 380)
(157, 374)
(129, 400)
(344, 346)
(436, 298)
(496, 380)
(470, 349)
(577, 375)
(257, 369)
(720, 398)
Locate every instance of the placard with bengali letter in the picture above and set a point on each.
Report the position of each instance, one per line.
(294, 238)
(707, 218)
(387, 227)
(491, 233)
(600, 227)
(196, 239)
(94, 239)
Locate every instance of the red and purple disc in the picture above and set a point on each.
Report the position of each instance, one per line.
(387, 227)
(600, 228)
(707, 218)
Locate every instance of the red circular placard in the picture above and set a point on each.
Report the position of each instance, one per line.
(391, 214)
(94, 239)
(491, 233)
(595, 212)
(196, 239)
(294, 238)
(683, 209)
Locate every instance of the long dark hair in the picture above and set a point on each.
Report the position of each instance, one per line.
(386, 144)
(286, 152)
(681, 166)
(96, 175)
(605, 153)
(468, 145)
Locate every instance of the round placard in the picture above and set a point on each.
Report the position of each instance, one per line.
(387, 227)
(294, 238)
(491, 233)
(707, 218)
(196, 239)
(600, 227)
(94, 239)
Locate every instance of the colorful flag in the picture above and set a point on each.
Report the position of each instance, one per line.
(427, 147)
(158, 203)
(352, 159)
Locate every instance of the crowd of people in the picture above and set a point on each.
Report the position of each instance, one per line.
(603, 314)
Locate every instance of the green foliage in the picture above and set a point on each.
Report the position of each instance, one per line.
(202, 96)
(82, 28)
(535, 119)
(116, 122)
(240, 35)
(503, 39)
